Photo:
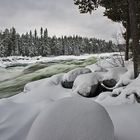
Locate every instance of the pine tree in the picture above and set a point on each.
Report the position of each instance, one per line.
(46, 42)
(13, 41)
(6, 41)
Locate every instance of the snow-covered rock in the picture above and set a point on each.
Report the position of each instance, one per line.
(73, 119)
(127, 77)
(86, 84)
(96, 68)
(132, 89)
(69, 77)
(115, 73)
(125, 95)
(109, 83)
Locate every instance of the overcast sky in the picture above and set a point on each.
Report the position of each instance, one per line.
(61, 17)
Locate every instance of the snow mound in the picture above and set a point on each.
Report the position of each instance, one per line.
(102, 96)
(127, 77)
(86, 84)
(54, 80)
(115, 73)
(16, 119)
(96, 68)
(71, 75)
(46, 89)
(73, 119)
(126, 120)
(132, 88)
(123, 95)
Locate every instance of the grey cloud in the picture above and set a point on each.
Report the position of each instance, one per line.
(61, 17)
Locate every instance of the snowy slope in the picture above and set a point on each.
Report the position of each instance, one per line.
(45, 108)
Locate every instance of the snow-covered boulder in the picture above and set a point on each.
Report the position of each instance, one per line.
(73, 119)
(109, 83)
(132, 89)
(96, 68)
(111, 78)
(127, 77)
(86, 84)
(124, 95)
(69, 77)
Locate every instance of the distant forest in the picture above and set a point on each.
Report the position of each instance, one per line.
(34, 44)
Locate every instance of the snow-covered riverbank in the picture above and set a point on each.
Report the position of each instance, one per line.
(47, 110)
(15, 72)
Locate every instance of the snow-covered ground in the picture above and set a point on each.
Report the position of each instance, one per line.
(47, 111)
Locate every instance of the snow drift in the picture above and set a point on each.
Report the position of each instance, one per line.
(73, 119)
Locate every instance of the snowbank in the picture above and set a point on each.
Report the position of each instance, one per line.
(47, 89)
(73, 119)
(123, 95)
(126, 120)
(46, 110)
(69, 77)
(86, 84)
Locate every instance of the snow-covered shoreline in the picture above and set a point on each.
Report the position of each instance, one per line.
(45, 105)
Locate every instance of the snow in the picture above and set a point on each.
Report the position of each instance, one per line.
(83, 84)
(96, 68)
(102, 96)
(126, 120)
(125, 95)
(73, 119)
(16, 120)
(46, 110)
(132, 88)
(47, 89)
(127, 77)
(114, 73)
(71, 75)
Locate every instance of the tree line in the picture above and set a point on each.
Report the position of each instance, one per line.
(34, 44)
